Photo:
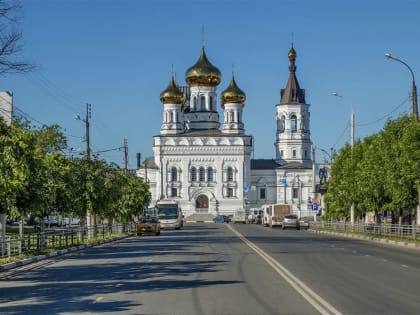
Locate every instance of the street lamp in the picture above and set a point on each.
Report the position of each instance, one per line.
(415, 114)
(352, 145)
(413, 88)
(328, 154)
(351, 121)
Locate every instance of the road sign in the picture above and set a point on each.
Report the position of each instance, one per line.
(283, 181)
(315, 207)
(265, 185)
(246, 187)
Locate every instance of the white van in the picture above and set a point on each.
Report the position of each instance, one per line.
(239, 216)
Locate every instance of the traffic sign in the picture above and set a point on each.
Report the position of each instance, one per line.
(315, 207)
(283, 181)
(246, 187)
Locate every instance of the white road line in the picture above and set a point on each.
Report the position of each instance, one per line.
(404, 266)
(314, 299)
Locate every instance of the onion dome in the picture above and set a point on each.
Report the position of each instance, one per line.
(203, 73)
(292, 54)
(233, 94)
(172, 94)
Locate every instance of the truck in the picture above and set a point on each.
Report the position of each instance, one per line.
(273, 214)
(170, 214)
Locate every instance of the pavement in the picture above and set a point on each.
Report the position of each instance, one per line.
(31, 260)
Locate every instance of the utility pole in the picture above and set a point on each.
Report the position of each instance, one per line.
(89, 217)
(125, 157)
(88, 115)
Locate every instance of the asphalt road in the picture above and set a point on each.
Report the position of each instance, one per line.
(220, 269)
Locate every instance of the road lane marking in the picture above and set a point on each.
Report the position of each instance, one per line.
(309, 295)
(404, 266)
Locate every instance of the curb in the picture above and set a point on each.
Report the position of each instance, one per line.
(27, 261)
(412, 245)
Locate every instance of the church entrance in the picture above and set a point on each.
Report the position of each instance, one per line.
(202, 204)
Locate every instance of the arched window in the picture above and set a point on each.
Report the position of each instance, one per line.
(229, 174)
(174, 174)
(193, 174)
(202, 174)
(293, 123)
(209, 174)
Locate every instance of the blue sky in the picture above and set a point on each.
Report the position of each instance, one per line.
(118, 56)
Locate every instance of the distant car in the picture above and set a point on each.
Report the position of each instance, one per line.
(290, 221)
(304, 222)
(226, 218)
(148, 225)
(258, 219)
(219, 219)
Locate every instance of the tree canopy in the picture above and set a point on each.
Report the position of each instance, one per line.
(380, 173)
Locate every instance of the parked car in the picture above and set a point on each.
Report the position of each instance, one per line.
(226, 218)
(258, 219)
(219, 219)
(148, 225)
(290, 221)
(305, 221)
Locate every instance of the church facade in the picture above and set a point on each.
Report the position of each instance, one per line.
(204, 161)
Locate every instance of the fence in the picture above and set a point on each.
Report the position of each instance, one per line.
(14, 245)
(396, 231)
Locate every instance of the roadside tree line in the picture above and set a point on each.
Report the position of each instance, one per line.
(380, 173)
(37, 176)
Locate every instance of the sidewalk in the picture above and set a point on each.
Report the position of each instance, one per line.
(27, 261)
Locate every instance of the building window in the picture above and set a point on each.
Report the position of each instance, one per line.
(211, 103)
(281, 153)
(263, 192)
(174, 192)
(174, 174)
(293, 123)
(294, 153)
(203, 102)
(193, 174)
(229, 192)
(229, 174)
(295, 193)
(194, 103)
(202, 174)
(306, 154)
(209, 174)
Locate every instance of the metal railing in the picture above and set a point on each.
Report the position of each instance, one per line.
(55, 239)
(392, 231)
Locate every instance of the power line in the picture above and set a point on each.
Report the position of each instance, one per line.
(385, 116)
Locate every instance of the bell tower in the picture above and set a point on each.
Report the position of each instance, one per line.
(293, 136)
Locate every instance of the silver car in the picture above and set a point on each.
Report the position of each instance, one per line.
(290, 221)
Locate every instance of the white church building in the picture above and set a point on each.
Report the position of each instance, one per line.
(205, 161)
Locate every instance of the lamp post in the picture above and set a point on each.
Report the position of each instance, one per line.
(352, 145)
(415, 115)
(413, 86)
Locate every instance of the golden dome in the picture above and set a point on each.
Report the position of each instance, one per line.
(203, 73)
(172, 94)
(233, 94)
(292, 54)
